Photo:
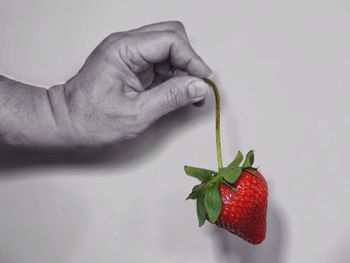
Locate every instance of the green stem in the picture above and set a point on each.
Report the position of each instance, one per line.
(217, 122)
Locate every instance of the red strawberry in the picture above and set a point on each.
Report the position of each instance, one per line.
(234, 197)
(243, 212)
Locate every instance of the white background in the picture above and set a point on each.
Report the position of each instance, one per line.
(284, 71)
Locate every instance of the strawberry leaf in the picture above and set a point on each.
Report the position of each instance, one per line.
(199, 173)
(196, 191)
(237, 161)
(201, 212)
(230, 174)
(249, 159)
(212, 203)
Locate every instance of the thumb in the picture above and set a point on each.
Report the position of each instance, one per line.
(171, 95)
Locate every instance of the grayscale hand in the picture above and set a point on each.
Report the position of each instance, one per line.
(129, 81)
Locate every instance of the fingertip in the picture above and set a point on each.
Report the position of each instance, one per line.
(202, 69)
(197, 90)
(211, 75)
(208, 71)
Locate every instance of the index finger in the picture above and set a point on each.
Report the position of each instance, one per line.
(158, 46)
(176, 26)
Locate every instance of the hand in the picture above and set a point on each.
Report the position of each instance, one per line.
(129, 81)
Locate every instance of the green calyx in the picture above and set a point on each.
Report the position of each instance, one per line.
(207, 193)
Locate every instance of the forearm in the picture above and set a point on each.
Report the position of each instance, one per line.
(27, 116)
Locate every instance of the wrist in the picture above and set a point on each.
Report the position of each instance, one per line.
(65, 129)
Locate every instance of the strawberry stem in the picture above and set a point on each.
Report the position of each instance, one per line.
(217, 122)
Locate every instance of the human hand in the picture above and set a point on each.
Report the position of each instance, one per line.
(128, 82)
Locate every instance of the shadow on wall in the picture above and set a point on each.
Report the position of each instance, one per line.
(125, 154)
(231, 249)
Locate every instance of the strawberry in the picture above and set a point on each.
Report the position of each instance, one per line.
(243, 212)
(234, 197)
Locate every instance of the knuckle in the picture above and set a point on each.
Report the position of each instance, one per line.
(177, 25)
(109, 42)
(173, 36)
(173, 97)
(116, 45)
(171, 33)
(114, 39)
(117, 36)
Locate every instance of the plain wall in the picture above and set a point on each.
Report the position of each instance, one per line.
(284, 71)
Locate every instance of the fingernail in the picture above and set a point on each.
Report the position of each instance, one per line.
(197, 90)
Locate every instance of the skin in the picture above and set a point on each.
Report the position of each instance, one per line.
(128, 82)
